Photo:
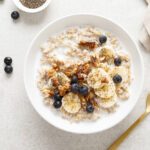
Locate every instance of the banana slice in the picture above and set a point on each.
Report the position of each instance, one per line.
(101, 82)
(108, 102)
(95, 77)
(107, 52)
(122, 71)
(106, 90)
(71, 103)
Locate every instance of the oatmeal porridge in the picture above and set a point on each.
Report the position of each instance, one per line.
(84, 72)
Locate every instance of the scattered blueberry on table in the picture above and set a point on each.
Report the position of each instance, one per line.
(102, 39)
(8, 60)
(117, 79)
(15, 15)
(8, 69)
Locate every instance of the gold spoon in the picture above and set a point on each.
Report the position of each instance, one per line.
(116, 144)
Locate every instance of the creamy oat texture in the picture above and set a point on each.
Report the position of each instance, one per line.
(77, 51)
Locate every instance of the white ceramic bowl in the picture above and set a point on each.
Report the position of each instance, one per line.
(29, 10)
(32, 64)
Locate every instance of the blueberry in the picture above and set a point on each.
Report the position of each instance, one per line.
(57, 104)
(117, 61)
(83, 90)
(89, 108)
(117, 79)
(102, 39)
(8, 69)
(15, 15)
(74, 79)
(75, 88)
(57, 97)
(8, 60)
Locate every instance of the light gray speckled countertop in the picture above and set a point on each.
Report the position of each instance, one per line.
(21, 128)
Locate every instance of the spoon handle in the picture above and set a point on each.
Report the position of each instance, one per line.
(115, 145)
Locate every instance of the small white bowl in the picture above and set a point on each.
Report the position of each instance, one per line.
(30, 10)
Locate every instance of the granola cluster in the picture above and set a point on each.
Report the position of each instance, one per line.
(83, 72)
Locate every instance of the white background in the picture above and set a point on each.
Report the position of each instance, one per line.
(21, 128)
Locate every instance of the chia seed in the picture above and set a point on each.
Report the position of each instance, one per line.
(32, 3)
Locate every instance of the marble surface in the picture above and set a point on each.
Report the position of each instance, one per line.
(21, 128)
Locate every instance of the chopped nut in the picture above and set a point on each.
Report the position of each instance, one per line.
(51, 73)
(55, 81)
(83, 68)
(69, 71)
(80, 77)
(55, 67)
(48, 92)
(87, 44)
(104, 80)
(94, 61)
(59, 63)
(63, 89)
(51, 93)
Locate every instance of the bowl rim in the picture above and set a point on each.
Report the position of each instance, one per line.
(30, 10)
(130, 37)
